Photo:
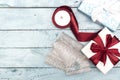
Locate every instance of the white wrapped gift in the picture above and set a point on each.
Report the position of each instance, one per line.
(106, 12)
(103, 50)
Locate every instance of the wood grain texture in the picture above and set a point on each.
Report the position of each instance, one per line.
(53, 74)
(26, 57)
(38, 3)
(43, 38)
(27, 34)
(23, 57)
(38, 18)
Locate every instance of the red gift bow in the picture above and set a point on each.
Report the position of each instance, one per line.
(80, 36)
(103, 51)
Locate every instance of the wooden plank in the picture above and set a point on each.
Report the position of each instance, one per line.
(38, 3)
(53, 74)
(34, 57)
(23, 57)
(38, 18)
(43, 38)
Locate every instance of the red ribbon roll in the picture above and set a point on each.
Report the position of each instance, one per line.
(101, 51)
(63, 17)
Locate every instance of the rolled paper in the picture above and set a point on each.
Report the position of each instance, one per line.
(63, 17)
(66, 55)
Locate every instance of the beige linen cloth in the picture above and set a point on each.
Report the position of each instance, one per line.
(66, 55)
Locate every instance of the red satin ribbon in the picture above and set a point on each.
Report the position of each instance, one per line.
(80, 36)
(101, 51)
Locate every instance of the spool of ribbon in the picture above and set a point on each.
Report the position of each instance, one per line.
(64, 17)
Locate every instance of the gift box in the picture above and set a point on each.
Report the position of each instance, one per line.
(103, 50)
(103, 11)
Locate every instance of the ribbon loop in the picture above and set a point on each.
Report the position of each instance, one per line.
(101, 52)
(73, 24)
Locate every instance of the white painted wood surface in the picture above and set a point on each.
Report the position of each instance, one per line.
(37, 18)
(54, 74)
(27, 34)
(38, 3)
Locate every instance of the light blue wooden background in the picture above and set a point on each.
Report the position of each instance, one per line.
(27, 34)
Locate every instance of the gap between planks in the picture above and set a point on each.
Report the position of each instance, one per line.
(41, 67)
(29, 7)
(41, 29)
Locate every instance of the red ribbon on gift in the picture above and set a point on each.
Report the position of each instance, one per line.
(101, 51)
(73, 24)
